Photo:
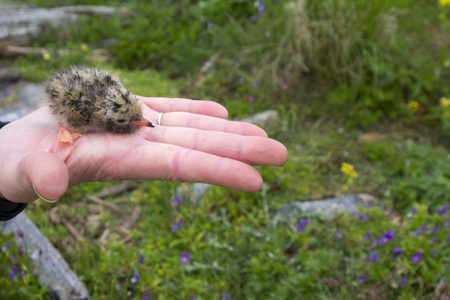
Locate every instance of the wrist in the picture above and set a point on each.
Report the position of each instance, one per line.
(1, 125)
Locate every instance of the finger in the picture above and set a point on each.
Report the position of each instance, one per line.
(181, 119)
(153, 161)
(185, 165)
(202, 107)
(253, 150)
(39, 174)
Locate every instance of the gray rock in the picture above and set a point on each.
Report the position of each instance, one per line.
(19, 99)
(48, 264)
(325, 207)
(18, 20)
(9, 75)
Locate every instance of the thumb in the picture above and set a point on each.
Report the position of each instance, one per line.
(43, 175)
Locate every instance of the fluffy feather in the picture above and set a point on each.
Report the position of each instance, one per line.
(86, 99)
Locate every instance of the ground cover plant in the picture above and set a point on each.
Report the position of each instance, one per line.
(362, 95)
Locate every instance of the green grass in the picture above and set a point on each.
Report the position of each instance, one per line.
(331, 83)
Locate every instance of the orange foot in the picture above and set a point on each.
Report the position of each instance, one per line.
(65, 136)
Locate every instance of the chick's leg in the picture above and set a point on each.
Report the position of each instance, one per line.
(65, 136)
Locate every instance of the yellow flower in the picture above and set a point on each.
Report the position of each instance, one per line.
(444, 2)
(413, 105)
(348, 170)
(84, 47)
(445, 102)
(46, 56)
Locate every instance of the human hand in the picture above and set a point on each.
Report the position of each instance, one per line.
(195, 143)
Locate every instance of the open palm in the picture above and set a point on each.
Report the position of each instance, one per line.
(195, 143)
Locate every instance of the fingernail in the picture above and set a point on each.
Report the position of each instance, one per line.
(43, 198)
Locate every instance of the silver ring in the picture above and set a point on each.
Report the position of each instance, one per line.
(159, 118)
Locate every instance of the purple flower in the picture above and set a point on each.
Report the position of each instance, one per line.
(447, 224)
(373, 257)
(304, 221)
(226, 295)
(443, 209)
(374, 243)
(413, 210)
(146, 296)
(250, 98)
(434, 251)
(403, 280)
(416, 257)
(397, 251)
(14, 271)
(185, 257)
(191, 297)
(253, 17)
(433, 239)
(210, 25)
(366, 236)
(301, 226)
(255, 84)
(359, 216)
(21, 252)
(338, 235)
(135, 278)
(6, 246)
(361, 278)
(19, 233)
(261, 9)
(421, 229)
(141, 260)
(176, 226)
(176, 200)
(389, 235)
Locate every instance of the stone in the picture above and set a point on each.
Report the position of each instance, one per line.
(48, 264)
(324, 207)
(19, 99)
(18, 20)
(9, 75)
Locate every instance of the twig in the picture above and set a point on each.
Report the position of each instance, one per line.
(103, 203)
(104, 236)
(54, 218)
(116, 189)
(133, 218)
(73, 231)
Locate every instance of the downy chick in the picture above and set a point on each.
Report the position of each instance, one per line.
(90, 100)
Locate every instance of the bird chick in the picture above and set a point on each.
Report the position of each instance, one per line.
(90, 100)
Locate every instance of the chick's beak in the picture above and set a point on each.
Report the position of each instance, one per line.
(143, 122)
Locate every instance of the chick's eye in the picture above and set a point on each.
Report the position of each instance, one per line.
(121, 121)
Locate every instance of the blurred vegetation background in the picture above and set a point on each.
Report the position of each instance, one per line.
(353, 81)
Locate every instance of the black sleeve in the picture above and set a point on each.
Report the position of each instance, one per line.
(8, 209)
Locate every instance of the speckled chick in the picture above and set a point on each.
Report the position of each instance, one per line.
(91, 100)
